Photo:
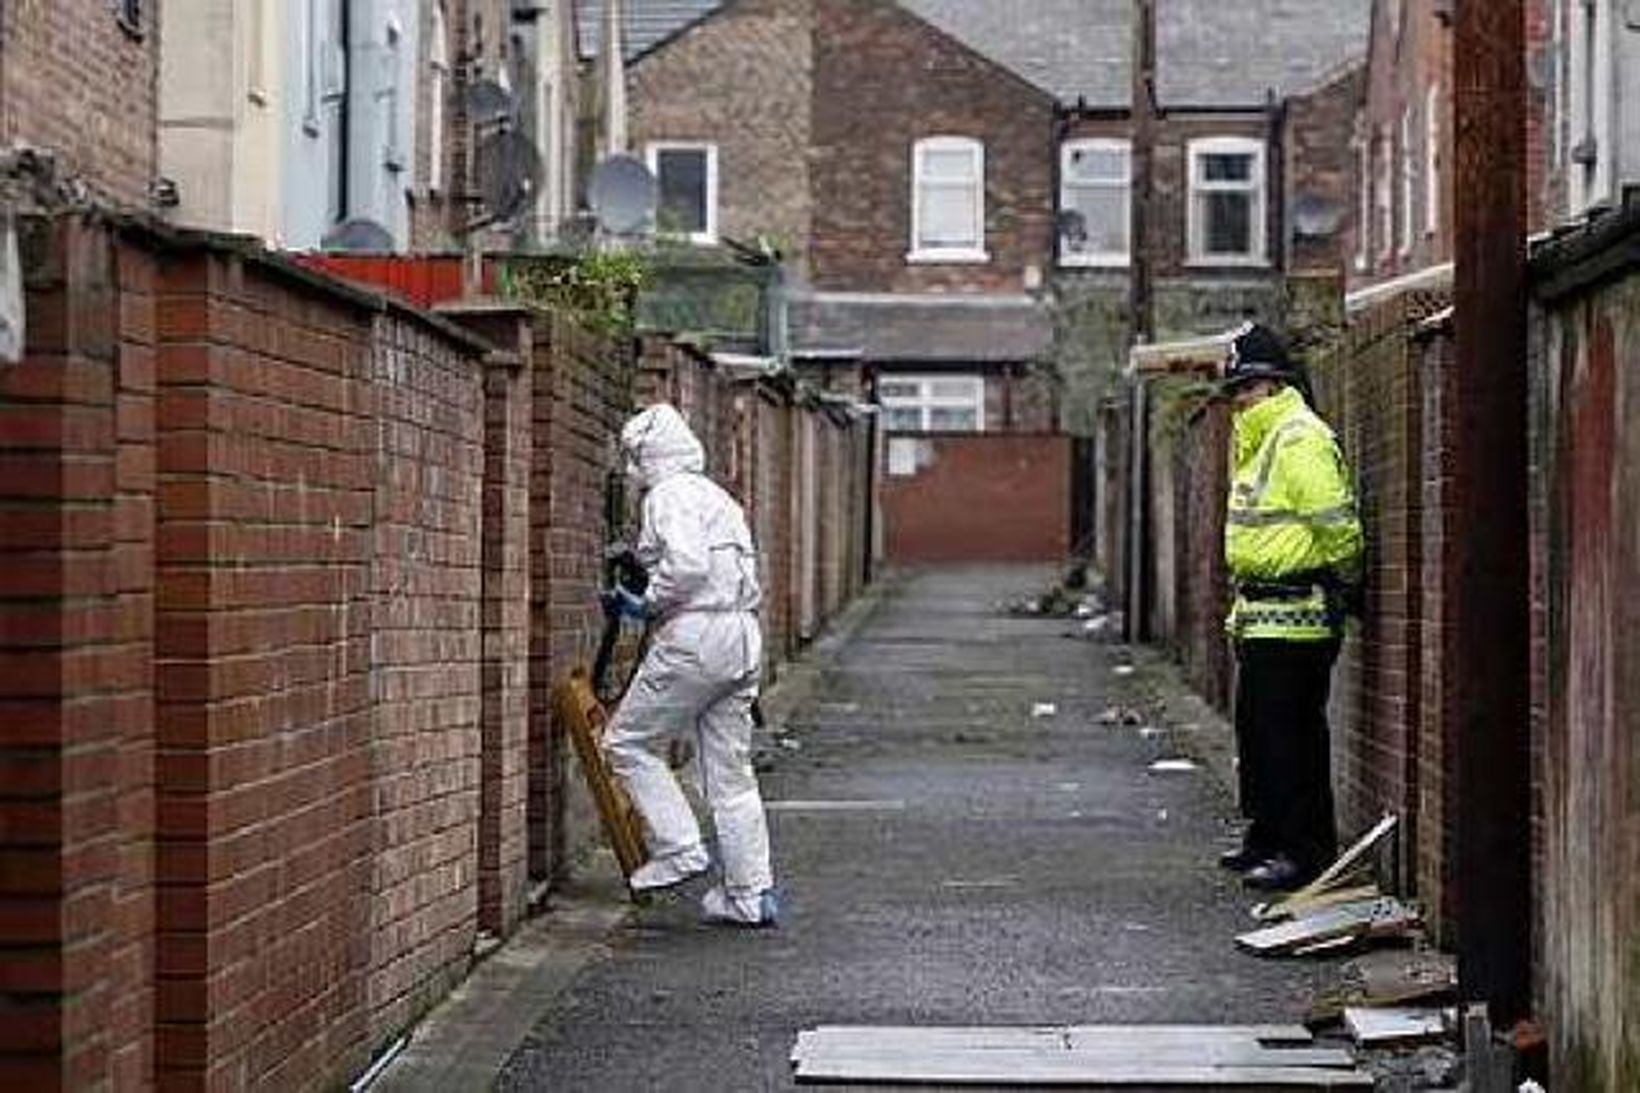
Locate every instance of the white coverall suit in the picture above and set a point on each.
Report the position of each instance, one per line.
(700, 676)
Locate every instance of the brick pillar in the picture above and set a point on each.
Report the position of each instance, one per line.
(504, 720)
(76, 696)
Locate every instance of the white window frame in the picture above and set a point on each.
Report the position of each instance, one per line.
(1591, 133)
(1256, 186)
(920, 254)
(438, 87)
(652, 153)
(1384, 194)
(1363, 202)
(1409, 191)
(926, 402)
(1432, 160)
(1108, 259)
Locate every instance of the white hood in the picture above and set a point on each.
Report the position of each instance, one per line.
(658, 444)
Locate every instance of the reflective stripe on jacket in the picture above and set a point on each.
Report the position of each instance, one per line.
(1292, 530)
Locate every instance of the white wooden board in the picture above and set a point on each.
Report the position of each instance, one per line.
(1026, 1068)
(1369, 1025)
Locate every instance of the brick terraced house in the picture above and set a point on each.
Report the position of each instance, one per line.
(955, 180)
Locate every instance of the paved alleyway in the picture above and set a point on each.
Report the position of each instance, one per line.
(946, 857)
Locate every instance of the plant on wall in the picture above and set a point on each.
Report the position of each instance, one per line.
(598, 287)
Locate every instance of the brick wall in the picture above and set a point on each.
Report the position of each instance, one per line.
(256, 784)
(292, 568)
(739, 80)
(883, 80)
(948, 509)
(1320, 165)
(76, 669)
(1382, 389)
(74, 82)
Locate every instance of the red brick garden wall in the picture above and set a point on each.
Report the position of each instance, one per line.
(992, 497)
(289, 571)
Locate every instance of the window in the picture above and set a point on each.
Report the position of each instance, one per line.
(128, 13)
(1363, 210)
(1590, 134)
(392, 143)
(1385, 194)
(1432, 160)
(1409, 169)
(438, 85)
(1227, 213)
(1095, 204)
(948, 201)
(922, 404)
(687, 174)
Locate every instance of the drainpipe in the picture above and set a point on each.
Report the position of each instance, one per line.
(1489, 652)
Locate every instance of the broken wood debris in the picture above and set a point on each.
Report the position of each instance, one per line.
(1393, 978)
(1373, 1027)
(1081, 1055)
(1376, 918)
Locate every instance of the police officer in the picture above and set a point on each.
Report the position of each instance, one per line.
(1293, 544)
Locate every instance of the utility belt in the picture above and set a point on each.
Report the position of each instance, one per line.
(1289, 589)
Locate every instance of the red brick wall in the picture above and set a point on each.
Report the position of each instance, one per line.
(76, 84)
(264, 676)
(1201, 582)
(1382, 388)
(990, 497)
(583, 394)
(883, 80)
(76, 675)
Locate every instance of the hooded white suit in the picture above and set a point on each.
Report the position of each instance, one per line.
(700, 676)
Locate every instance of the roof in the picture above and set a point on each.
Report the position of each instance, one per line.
(1209, 52)
(1214, 53)
(887, 327)
(646, 24)
(1072, 49)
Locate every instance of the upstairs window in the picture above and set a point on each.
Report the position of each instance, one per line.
(948, 200)
(1432, 160)
(1385, 194)
(924, 404)
(1227, 204)
(688, 179)
(129, 14)
(438, 87)
(1363, 205)
(1409, 180)
(1095, 202)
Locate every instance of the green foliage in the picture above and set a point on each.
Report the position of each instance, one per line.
(600, 288)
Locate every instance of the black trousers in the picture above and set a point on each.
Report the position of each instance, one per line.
(1284, 750)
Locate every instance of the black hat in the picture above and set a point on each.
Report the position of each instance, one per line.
(1257, 353)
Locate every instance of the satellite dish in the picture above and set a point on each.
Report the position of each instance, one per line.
(508, 170)
(623, 195)
(488, 103)
(1316, 217)
(358, 236)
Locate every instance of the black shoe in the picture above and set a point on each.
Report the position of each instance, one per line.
(1278, 874)
(1240, 861)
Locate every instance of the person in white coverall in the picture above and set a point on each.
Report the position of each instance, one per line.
(699, 678)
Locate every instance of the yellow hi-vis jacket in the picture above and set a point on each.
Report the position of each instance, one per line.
(1292, 536)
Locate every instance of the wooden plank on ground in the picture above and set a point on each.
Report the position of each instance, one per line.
(1027, 1068)
(583, 715)
(1063, 1037)
(1347, 862)
(1374, 1027)
(1379, 917)
(1283, 909)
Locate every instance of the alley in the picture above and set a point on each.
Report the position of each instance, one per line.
(947, 856)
